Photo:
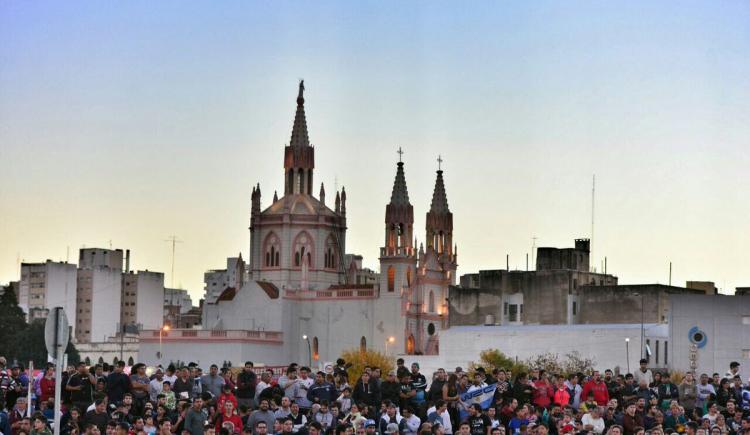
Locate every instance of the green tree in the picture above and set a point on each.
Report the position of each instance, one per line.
(12, 322)
(491, 359)
(33, 348)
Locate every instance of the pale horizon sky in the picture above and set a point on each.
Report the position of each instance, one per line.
(133, 121)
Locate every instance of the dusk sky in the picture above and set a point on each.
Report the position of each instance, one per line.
(132, 121)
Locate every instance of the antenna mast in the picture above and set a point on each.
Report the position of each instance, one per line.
(173, 240)
(591, 242)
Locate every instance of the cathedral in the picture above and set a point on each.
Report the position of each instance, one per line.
(300, 295)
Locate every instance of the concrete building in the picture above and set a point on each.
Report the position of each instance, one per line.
(217, 280)
(46, 285)
(111, 351)
(742, 291)
(628, 303)
(708, 287)
(99, 294)
(180, 298)
(301, 281)
(142, 299)
(89, 258)
(707, 332)
(548, 295)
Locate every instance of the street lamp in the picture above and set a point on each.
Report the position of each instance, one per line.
(627, 352)
(643, 319)
(162, 330)
(309, 351)
(390, 340)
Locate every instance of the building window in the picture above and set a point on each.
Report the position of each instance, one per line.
(315, 353)
(575, 308)
(657, 352)
(408, 277)
(431, 329)
(513, 313)
(431, 302)
(505, 308)
(363, 344)
(666, 353)
(391, 279)
(575, 283)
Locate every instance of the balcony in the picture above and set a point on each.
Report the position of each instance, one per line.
(354, 292)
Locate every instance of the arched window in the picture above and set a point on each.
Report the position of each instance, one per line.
(408, 277)
(410, 345)
(130, 361)
(303, 249)
(296, 259)
(300, 181)
(431, 302)
(330, 252)
(87, 361)
(391, 279)
(114, 361)
(431, 329)
(363, 344)
(101, 360)
(290, 180)
(315, 353)
(271, 248)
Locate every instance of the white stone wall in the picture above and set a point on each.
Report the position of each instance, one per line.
(61, 290)
(725, 322)
(106, 297)
(150, 300)
(205, 353)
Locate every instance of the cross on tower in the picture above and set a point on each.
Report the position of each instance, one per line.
(440, 162)
(400, 153)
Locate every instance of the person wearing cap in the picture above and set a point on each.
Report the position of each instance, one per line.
(391, 428)
(734, 370)
(371, 428)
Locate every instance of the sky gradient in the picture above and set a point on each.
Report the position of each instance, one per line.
(133, 121)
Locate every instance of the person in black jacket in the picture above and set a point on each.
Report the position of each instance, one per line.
(246, 382)
(522, 390)
(390, 388)
(366, 392)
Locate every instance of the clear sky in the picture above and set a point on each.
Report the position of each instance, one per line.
(131, 121)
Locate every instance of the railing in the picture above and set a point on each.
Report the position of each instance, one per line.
(331, 293)
(405, 251)
(207, 334)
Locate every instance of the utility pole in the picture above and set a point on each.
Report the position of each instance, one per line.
(174, 241)
(593, 196)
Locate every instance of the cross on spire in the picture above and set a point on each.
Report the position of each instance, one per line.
(440, 162)
(400, 153)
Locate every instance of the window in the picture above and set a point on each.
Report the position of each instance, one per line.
(363, 344)
(408, 277)
(575, 308)
(505, 308)
(315, 353)
(431, 302)
(657, 352)
(391, 279)
(431, 329)
(666, 353)
(575, 283)
(513, 313)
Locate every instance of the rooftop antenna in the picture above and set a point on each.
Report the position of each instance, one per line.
(174, 240)
(591, 242)
(110, 243)
(533, 248)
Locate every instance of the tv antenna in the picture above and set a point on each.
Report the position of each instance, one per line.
(174, 241)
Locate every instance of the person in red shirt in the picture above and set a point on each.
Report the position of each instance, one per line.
(229, 418)
(47, 385)
(543, 391)
(598, 387)
(561, 396)
(226, 395)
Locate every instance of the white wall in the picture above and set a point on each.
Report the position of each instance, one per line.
(205, 353)
(150, 299)
(106, 298)
(61, 289)
(725, 321)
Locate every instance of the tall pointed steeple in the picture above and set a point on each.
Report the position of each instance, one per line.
(299, 129)
(299, 156)
(439, 221)
(399, 213)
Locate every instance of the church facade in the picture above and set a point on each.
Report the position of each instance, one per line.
(301, 297)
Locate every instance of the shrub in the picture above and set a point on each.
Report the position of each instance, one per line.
(359, 359)
(491, 359)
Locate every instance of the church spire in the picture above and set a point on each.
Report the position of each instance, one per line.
(439, 221)
(299, 156)
(400, 195)
(299, 129)
(439, 202)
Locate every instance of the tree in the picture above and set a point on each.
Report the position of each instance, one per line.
(360, 359)
(33, 348)
(12, 321)
(553, 364)
(491, 359)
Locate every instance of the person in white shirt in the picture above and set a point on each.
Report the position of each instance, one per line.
(411, 423)
(593, 421)
(265, 382)
(156, 385)
(643, 374)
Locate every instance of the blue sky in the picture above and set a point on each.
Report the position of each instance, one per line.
(131, 121)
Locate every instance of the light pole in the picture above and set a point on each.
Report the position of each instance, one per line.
(162, 330)
(390, 340)
(309, 351)
(627, 352)
(643, 320)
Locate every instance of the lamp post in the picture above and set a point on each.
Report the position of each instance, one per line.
(627, 352)
(309, 351)
(162, 330)
(643, 321)
(390, 340)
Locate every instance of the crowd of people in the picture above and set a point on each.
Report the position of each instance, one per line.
(186, 400)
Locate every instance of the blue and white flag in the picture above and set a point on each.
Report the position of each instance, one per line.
(483, 396)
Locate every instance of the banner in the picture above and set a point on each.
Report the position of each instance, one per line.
(483, 396)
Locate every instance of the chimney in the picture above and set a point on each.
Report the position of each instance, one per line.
(127, 260)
